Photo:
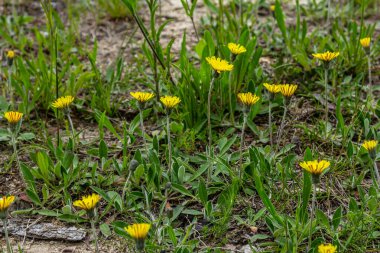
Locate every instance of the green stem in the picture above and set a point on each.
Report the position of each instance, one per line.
(270, 124)
(5, 224)
(282, 123)
(209, 112)
(245, 116)
(312, 213)
(376, 171)
(142, 128)
(72, 128)
(169, 143)
(95, 235)
(232, 116)
(326, 98)
(13, 140)
(369, 74)
(10, 87)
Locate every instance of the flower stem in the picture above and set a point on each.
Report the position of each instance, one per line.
(369, 74)
(72, 128)
(245, 116)
(142, 128)
(270, 124)
(326, 98)
(232, 116)
(169, 143)
(10, 86)
(282, 124)
(376, 171)
(312, 213)
(5, 224)
(94, 234)
(13, 140)
(209, 112)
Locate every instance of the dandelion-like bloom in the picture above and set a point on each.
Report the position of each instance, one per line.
(248, 99)
(236, 48)
(63, 102)
(326, 248)
(11, 54)
(13, 117)
(370, 145)
(272, 88)
(288, 90)
(142, 97)
(6, 202)
(315, 167)
(326, 56)
(219, 65)
(170, 101)
(365, 42)
(138, 232)
(87, 203)
(272, 7)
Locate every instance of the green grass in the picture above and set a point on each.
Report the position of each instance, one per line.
(206, 201)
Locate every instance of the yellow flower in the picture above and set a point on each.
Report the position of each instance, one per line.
(219, 65)
(365, 42)
(272, 88)
(170, 101)
(87, 203)
(13, 117)
(11, 54)
(142, 97)
(326, 248)
(315, 167)
(63, 102)
(370, 145)
(5, 202)
(236, 48)
(138, 231)
(248, 98)
(288, 90)
(326, 56)
(272, 7)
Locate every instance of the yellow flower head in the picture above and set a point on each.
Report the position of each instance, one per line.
(63, 102)
(370, 145)
(365, 42)
(326, 56)
(5, 202)
(142, 97)
(272, 7)
(288, 90)
(11, 54)
(236, 48)
(170, 101)
(272, 88)
(315, 167)
(326, 248)
(138, 231)
(219, 65)
(13, 117)
(87, 203)
(248, 98)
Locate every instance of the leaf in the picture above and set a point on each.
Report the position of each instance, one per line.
(105, 229)
(103, 149)
(43, 164)
(181, 189)
(26, 136)
(337, 218)
(264, 197)
(202, 191)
